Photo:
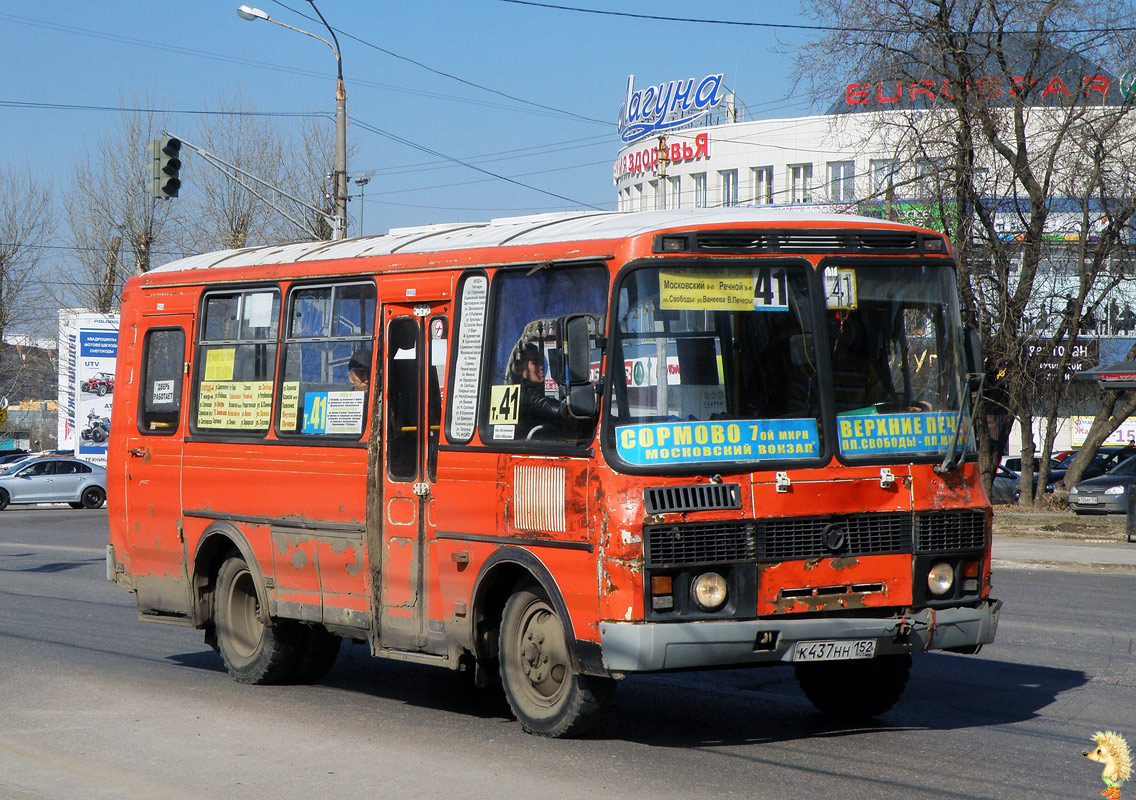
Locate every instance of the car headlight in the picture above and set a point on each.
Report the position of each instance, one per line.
(1114, 490)
(709, 591)
(940, 578)
(1073, 490)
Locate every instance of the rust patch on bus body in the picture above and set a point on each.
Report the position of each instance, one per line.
(834, 584)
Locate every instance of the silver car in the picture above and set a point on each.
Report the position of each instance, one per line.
(53, 480)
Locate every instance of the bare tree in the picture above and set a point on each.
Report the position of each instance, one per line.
(1006, 113)
(224, 212)
(25, 219)
(114, 223)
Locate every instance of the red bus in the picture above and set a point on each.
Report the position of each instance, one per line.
(558, 450)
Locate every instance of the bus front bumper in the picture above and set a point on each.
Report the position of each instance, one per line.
(653, 646)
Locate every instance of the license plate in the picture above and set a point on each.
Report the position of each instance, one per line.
(1090, 501)
(834, 650)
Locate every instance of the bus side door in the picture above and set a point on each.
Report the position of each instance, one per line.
(153, 465)
(412, 412)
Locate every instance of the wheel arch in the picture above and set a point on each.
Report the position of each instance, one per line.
(501, 573)
(220, 541)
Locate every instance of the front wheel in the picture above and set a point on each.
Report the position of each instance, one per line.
(4, 499)
(253, 650)
(855, 690)
(548, 697)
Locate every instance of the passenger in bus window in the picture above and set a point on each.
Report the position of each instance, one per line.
(537, 409)
(359, 370)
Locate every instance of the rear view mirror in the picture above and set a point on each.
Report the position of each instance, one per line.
(577, 332)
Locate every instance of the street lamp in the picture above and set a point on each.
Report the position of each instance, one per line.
(249, 13)
(362, 182)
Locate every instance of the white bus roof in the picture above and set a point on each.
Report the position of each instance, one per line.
(529, 230)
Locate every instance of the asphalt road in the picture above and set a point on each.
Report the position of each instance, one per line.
(96, 704)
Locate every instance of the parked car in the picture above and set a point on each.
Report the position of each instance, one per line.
(1014, 463)
(53, 480)
(99, 384)
(1105, 494)
(1004, 488)
(8, 455)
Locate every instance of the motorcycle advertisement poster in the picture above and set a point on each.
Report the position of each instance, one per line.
(94, 390)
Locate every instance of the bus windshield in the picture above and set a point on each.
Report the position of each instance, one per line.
(746, 364)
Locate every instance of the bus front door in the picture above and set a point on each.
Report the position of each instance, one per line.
(411, 414)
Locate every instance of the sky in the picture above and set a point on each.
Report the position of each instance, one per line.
(435, 88)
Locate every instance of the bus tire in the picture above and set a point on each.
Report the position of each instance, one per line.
(854, 690)
(317, 655)
(547, 696)
(253, 651)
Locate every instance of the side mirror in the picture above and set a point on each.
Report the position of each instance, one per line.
(975, 363)
(575, 346)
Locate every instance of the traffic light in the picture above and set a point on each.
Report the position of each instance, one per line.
(165, 165)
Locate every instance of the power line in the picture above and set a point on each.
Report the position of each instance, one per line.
(130, 109)
(451, 76)
(783, 25)
(355, 81)
(396, 138)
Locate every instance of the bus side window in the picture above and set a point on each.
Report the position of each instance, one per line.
(325, 384)
(163, 358)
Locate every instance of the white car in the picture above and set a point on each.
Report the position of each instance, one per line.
(53, 480)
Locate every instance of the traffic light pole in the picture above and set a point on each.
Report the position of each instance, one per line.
(235, 174)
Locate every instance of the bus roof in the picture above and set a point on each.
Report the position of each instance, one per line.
(528, 230)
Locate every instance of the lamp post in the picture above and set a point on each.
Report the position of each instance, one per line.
(340, 183)
(362, 182)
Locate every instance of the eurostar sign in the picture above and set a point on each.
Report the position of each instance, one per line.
(668, 106)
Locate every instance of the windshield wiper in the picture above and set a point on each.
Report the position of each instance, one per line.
(950, 462)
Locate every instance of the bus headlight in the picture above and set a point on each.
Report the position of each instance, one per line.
(709, 591)
(940, 578)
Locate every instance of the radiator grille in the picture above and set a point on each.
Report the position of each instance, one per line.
(800, 538)
(805, 537)
(696, 497)
(699, 543)
(950, 530)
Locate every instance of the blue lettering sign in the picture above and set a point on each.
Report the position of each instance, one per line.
(667, 106)
(726, 440)
(929, 432)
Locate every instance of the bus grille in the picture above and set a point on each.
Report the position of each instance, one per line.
(801, 538)
(856, 534)
(950, 530)
(699, 543)
(696, 497)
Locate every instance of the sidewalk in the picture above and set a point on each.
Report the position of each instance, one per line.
(1061, 540)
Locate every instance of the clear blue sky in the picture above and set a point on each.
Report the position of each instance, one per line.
(186, 55)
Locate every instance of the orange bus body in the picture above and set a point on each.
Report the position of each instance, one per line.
(241, 506)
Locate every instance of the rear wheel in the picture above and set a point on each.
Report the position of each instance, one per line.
(547, 695)
(253, 650)
(855, 689)
(93, 497)
(4, 499)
